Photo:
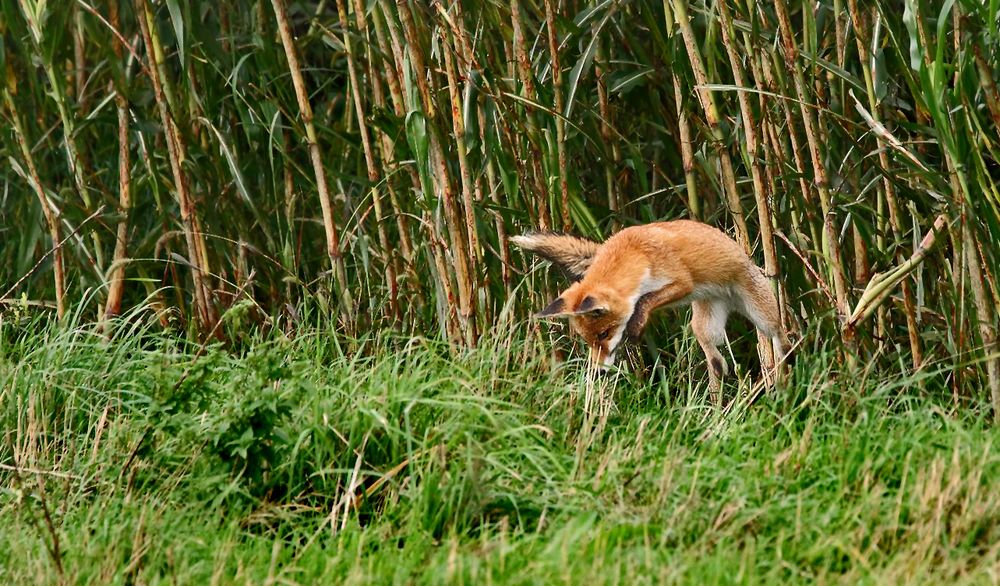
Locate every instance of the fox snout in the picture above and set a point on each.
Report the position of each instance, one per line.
(601, 358)
(600, 362)
(604, 345)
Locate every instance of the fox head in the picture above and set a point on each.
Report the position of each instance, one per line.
(598, 314)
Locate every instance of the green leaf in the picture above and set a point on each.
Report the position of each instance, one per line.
(622, 83)
(227, 153)
(416, 136)
(881, 77)
(412, 95)
(470, 111)
(178, 20)
(942, 24)
(584, 63)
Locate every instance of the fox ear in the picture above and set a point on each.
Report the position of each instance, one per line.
(558, 308)
(555, 309)
(591, 306)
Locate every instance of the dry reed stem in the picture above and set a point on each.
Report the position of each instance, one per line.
(175, 146)
(886, 189)
(557, 97)
(522, 60)
(831, 240)
(49, 210)
(708, 105)
(458, 240)
(388, 250)
(116, 280)
(604, 109)
(393, 73)
(687, 153)
(761, 195)
(316, 157)
(458, 129)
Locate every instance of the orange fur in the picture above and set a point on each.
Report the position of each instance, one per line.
(642, 268)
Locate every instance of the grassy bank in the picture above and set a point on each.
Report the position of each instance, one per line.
(148, 459)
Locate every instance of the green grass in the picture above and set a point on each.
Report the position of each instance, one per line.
(166, 462)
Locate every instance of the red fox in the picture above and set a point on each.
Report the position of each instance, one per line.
(641, 268)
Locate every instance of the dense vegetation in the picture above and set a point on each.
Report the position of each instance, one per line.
(174, 153)
(255, 280)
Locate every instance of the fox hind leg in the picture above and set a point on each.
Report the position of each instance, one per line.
(758, 303)
(708, 322)
(760, 306)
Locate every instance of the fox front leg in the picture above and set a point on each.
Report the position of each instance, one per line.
(671, 293)
(640, 316)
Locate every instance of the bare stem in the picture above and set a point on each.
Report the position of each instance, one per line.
(452, 212)
(557, 91)
(831, 240)
(886, 189)
(370, 164)
(117, 279)
(316, 156)
(177, 154)
(49, 209)
(707, 99)
(761, 194)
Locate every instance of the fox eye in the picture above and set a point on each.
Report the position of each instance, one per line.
(604, 335)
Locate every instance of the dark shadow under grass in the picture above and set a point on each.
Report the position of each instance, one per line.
(306, 460)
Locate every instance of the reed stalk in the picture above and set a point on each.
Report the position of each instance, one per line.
(371, 166)
(458, 129)
(761, 195)
(887, 189)
(333, 250)
(831, 239)
(559, 106)
(49, 209)
(528, 90)
(116, 279)
(712, 118)
(197, 257)
(459, 250)
(687, 154)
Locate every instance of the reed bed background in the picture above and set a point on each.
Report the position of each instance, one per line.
(212, 159)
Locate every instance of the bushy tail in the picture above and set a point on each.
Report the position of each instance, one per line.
(570, 253)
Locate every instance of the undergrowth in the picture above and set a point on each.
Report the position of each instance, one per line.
(140, 457)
